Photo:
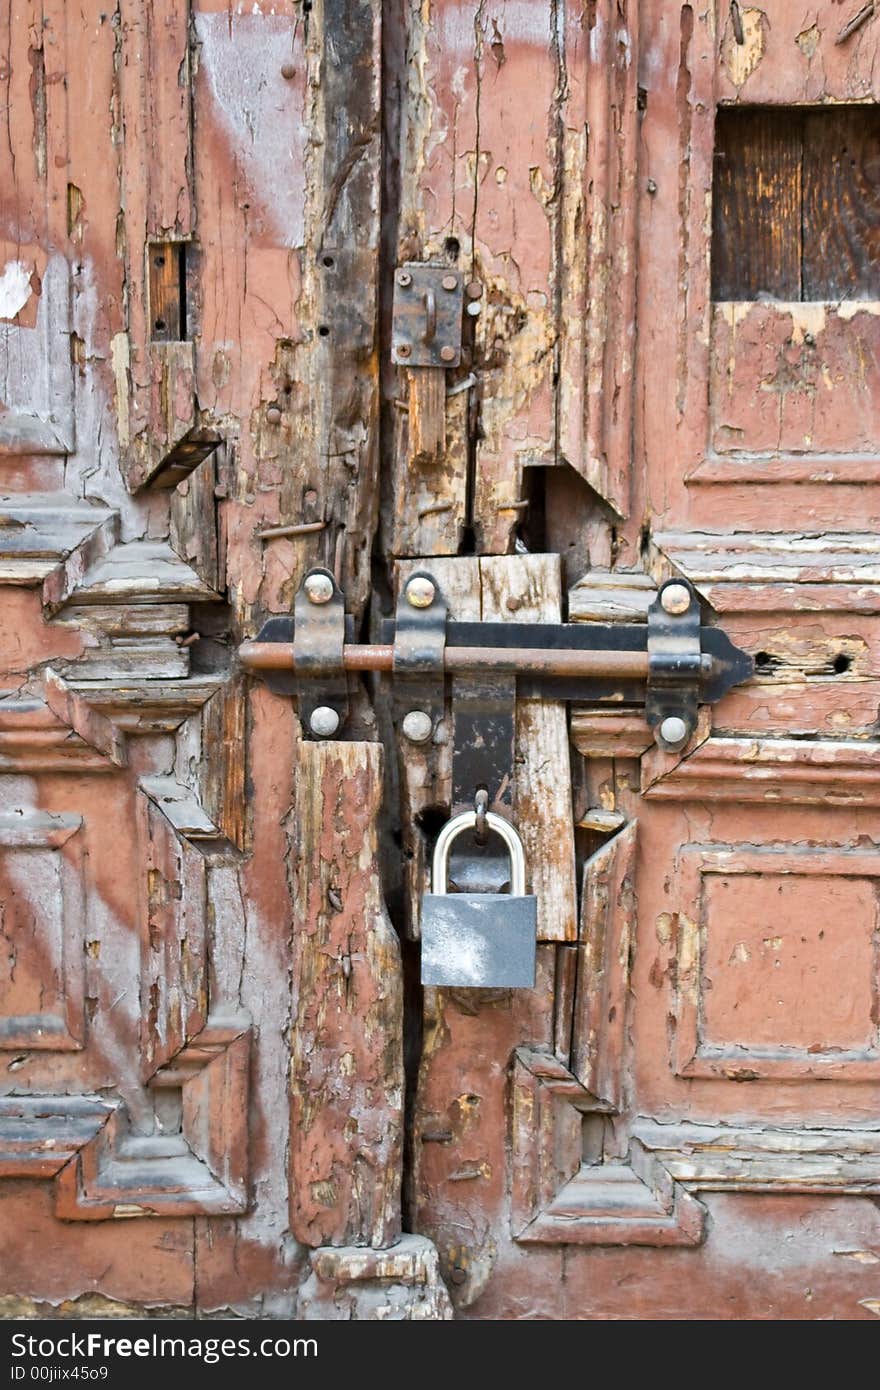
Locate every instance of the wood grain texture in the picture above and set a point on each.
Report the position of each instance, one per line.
(796, 204)
(841, 204)
(346, 1069)
(165, 278)
(608, 935)
(757, 205)
(174, 1002)
(154, 369)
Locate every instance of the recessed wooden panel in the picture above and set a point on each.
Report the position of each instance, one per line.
(772, 950)
(841, 204)
(41, 933)
(756, 205)
(777, 963)
(795, 378)
(796, 204)
(166, 273)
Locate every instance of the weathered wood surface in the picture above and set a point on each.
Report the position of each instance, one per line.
(346, 1068)
(201, 1023)
(795, 204)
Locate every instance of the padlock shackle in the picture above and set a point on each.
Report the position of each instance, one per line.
(467, 821)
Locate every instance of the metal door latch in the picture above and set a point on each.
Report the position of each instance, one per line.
(426, 316)
(668, 667)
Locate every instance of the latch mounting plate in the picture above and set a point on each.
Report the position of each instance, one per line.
(426, 315)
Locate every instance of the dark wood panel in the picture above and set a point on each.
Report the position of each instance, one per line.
(841, 204)
(167, 313)
(756, 212)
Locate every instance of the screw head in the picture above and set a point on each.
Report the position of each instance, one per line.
(449, 282)
(273, 415)
(319, 588)
(404, 350)
(404, 278)
(447, 353)
(673, 730)
(324, 721)
(417, 726)
(675, 599)
(288, 70)
(420, 592)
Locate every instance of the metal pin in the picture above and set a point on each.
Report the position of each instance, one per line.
(338, 557)
(481, 807)
(736, 21)
(304, 528)
(460, 386)
(856, 22)
(437, 507)
(520, 506)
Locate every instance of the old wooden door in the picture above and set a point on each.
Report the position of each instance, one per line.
(215, 1091)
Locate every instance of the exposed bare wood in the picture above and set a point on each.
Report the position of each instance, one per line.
(346, 1069)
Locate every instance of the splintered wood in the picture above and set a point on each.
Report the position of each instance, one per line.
(346, 1067)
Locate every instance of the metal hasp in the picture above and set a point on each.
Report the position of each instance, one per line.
(479, 940)
(426, 316)
(670, 666)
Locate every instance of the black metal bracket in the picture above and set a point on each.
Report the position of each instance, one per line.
(668, 667)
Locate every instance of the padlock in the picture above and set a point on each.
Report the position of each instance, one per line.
(479, 940)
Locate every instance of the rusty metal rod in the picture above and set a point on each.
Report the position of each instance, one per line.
(539, 661)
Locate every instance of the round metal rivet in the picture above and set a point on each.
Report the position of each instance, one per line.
(319, 588)
(404, 278)
(273, 415)
(474, 308)
(675, 599)
(447, 354)
(420, 592)
(324, 721)
(418, 726)
(404, 350)
(449, 282)
(673, 729)
(473, 289)
(288, 70)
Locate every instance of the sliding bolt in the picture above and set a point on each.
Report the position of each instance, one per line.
(675, 599)
(319, 588)
(324, 721)
(420, 592)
